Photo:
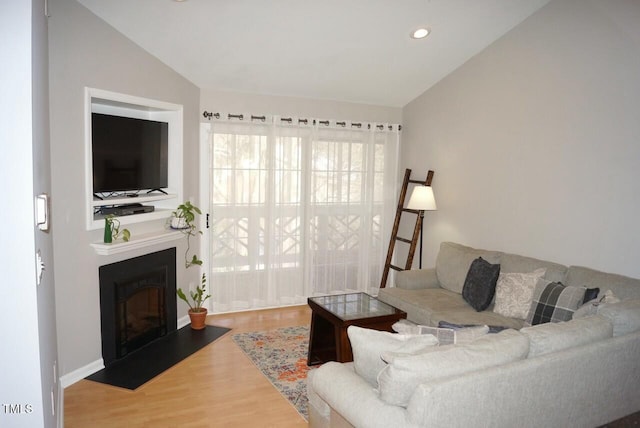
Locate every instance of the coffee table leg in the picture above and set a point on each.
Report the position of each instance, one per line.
(322, 346)
(312, 341)
(344, 353)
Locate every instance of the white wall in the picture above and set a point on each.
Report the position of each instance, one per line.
(27, 384)
(85, 51)
(234, 103)
(47, 334)
(535, 142)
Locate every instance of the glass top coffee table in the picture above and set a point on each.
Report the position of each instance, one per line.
(330, 317)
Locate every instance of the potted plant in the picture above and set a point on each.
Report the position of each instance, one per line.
(197, 313)
(112, 230)
(183, 219)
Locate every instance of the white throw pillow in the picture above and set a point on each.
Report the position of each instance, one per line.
(406, 327)
(389, 356)
(368, 345)
(624, 315)
(514, 292)
(398, 380)
(591, 307)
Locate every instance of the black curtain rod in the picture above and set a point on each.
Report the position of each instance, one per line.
(209, 115)
(263, 118)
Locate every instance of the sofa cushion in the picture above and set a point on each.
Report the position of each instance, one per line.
(514, 293)
(480, 284)
(420, 304)
(624, 315)
(453, 261)
(431, 306)
(416, 279)
(469, 316)
(553, 337)
(622, 286)
(553, 302)
(513, 263)
(591, 307)
(400, 378)
(368, 345)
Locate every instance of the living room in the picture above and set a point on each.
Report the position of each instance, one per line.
(523, 137)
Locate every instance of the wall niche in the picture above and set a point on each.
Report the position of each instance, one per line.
(112, 103)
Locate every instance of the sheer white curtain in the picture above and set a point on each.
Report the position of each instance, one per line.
(298, 208)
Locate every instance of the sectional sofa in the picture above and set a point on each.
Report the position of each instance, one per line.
(582, 370)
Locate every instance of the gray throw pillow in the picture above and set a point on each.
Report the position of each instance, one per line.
(553, 302)
(480, 284)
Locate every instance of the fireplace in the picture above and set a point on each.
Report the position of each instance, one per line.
(137, 302)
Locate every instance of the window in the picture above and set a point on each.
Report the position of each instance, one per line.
(298, 210)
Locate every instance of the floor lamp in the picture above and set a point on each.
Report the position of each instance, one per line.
(422, 200)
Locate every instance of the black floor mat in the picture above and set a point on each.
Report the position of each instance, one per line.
(146, 363)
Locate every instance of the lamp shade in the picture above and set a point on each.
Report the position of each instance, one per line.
(422, 199)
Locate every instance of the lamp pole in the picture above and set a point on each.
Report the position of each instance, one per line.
(421, 226)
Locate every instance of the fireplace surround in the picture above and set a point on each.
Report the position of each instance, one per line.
(137, 302)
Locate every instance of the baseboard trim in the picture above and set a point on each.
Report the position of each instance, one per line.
(183, 321)
(60, 406)
(79, 374)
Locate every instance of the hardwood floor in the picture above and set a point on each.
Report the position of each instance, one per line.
(216, 387)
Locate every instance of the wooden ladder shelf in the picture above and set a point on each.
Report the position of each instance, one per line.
(396, 225)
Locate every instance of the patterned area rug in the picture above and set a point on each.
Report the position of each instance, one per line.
(281, 355)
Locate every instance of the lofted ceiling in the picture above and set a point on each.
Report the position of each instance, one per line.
(344, 50)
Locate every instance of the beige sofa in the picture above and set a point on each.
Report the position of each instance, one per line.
(580, 373)
(429, 296)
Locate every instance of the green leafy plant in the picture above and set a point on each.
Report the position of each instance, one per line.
(183, 219)
(198, 297)
(114, 224)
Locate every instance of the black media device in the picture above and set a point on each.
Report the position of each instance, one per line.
(128, 154)
(128, 209)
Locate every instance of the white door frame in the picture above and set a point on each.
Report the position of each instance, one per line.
(205, 206)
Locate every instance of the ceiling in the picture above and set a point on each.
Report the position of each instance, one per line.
(344, 50)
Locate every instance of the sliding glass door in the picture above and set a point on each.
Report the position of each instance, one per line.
(297, 209)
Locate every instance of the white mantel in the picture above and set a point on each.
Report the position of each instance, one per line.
(136, 242)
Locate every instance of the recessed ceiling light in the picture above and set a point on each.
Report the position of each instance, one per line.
(420, 33)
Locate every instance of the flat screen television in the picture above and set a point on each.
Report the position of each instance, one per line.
(128, 154)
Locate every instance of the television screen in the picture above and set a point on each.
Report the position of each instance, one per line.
(128, 154)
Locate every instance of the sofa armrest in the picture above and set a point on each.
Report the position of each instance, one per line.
(416, 279)
(355, 399)
(519, 393)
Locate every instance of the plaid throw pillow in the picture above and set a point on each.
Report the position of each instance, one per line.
(553, 302)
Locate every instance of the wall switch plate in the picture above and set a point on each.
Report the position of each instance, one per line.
(42, 212)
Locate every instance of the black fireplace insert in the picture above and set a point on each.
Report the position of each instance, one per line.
(137, 302)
